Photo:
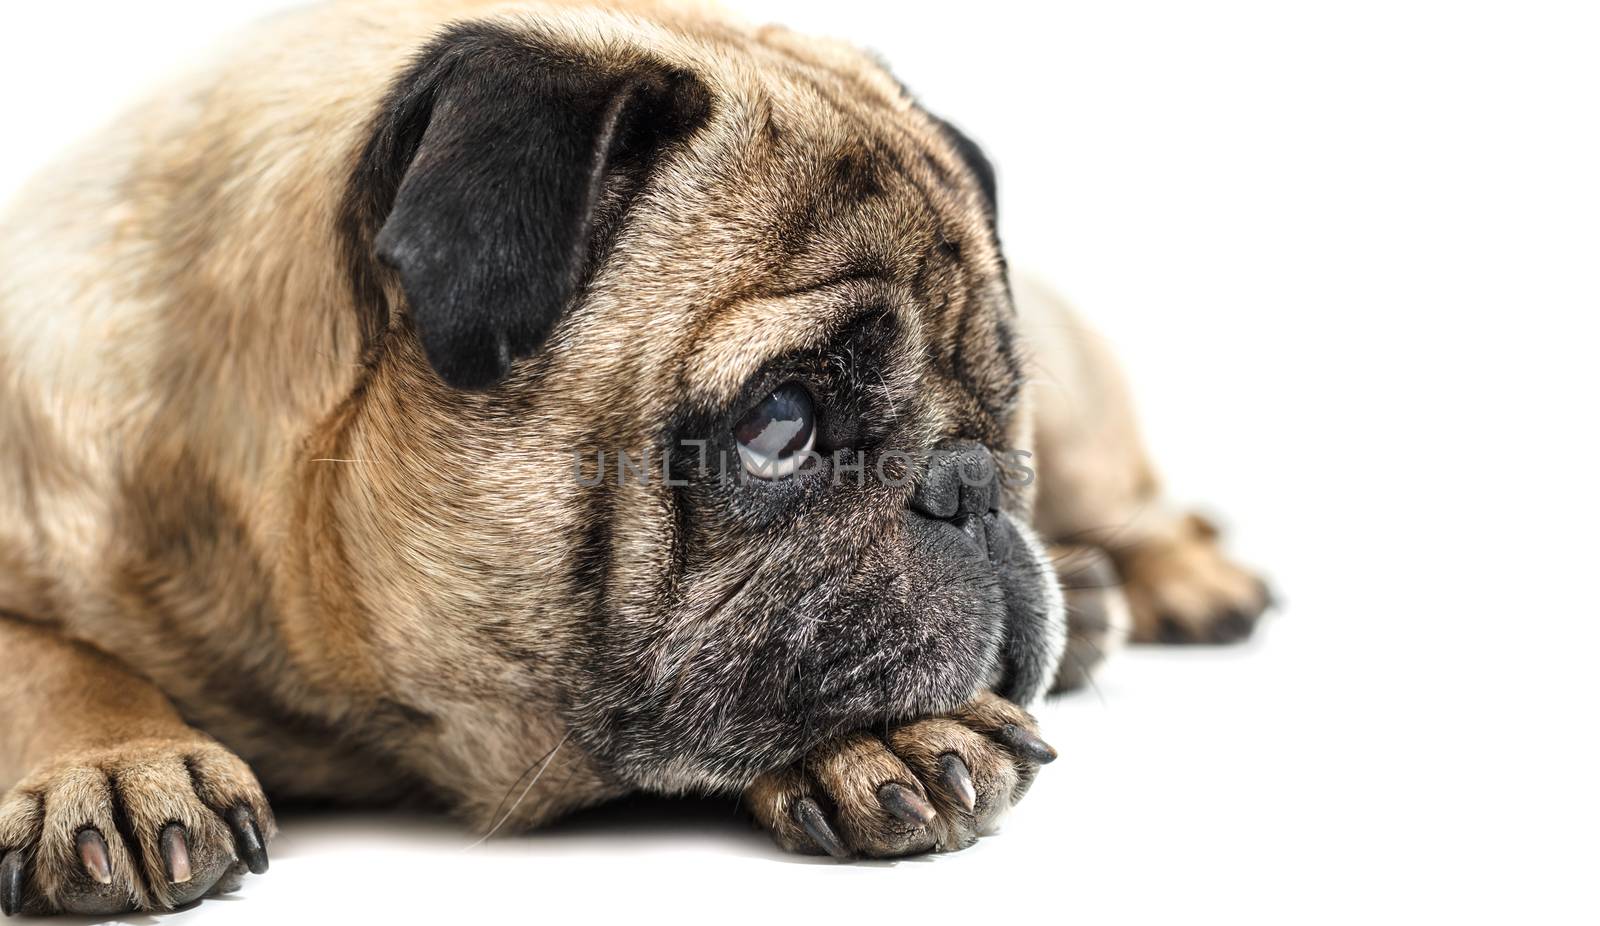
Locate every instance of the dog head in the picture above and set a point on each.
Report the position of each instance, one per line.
(692, 385)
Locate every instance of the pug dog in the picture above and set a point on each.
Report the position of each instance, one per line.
(511, 406)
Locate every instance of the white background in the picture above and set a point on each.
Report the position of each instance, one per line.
(1349, 253)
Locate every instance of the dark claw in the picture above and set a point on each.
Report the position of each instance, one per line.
(809, 816)
(247, 837)
(13, 871)
(1026, 744)
(95, 856)
(906, 804)
(1173, 633)
(1232, 627)
(175, 850)
(957, 780)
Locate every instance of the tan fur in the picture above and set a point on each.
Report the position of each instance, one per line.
(210, 472)
(113, 745)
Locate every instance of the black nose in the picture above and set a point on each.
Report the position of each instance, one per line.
(961, 481)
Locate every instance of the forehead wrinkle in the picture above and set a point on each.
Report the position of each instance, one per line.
(878, 109)
(892, 146)
(757, 330)
(845, 113)
(876, 216)
(830, 109)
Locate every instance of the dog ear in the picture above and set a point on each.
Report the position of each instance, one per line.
(494, 169)
(976, 161)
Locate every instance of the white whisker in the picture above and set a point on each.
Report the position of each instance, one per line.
(521, 797)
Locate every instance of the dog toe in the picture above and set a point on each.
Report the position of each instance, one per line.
(147, 826)
(935, 784)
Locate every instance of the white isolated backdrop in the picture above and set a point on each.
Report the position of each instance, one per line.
(1348, 253)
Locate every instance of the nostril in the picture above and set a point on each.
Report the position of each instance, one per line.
(938, 492)
(960, 480)
(979, 489)
(938, 501)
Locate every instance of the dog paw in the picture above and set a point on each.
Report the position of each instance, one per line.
(1182, 589)
(151, 825)
(935, 784)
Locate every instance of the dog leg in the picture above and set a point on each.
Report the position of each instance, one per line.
(1098, 618)
(1096, 487)
(111, 802)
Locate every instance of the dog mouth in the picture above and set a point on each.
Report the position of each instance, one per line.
(961, 494)
(1032, 616)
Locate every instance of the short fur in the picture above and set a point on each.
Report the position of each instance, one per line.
(293, 364)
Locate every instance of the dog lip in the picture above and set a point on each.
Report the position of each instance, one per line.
(1030, 649)
(985, 533)
(969, 527)
(987, 537)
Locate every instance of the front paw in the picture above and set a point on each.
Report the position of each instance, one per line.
(149, 825)
(935, 784)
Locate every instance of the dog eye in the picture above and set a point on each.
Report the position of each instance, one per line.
(774, 436)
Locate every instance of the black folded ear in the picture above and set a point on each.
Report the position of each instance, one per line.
(976, 161)
(494, 169)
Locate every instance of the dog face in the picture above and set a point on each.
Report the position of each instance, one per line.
(691, 399)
